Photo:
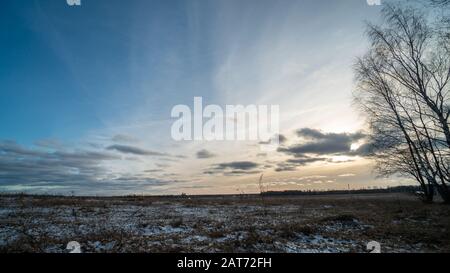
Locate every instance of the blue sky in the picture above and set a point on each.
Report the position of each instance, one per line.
(67, 69)
(93, 79)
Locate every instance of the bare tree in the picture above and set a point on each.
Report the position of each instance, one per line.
(440, 3)
(403, 86)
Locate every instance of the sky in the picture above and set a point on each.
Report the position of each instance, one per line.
(86, 94)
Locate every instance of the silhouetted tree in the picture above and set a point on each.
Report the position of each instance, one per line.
(440, 3)
(404, 87)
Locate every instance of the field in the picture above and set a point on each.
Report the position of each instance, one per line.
(328, 223)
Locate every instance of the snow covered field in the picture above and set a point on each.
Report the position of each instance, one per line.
(334, 223)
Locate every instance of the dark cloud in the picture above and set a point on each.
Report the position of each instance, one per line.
(11, 147)
(281, 140)
(238, 165)
(21, 165)
(237, 172)
(234, 168)
(317, 146)
(79, 170)
(141, 181)
(205, 154)
(305, 161)
(320, 143)
(293, 163)
(317, 134)
(154, 171)
(283, 167)
(310, 133)
(125, 149)
(84, 155)
(321, 148)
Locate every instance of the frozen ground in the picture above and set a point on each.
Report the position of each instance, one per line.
(338, 223)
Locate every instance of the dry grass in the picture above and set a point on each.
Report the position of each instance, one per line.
(339, 223)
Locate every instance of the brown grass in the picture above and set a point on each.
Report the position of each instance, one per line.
(400, 222)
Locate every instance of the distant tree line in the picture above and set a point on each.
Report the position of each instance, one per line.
(397, 189)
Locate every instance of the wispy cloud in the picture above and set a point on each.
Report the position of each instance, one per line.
(123, 138)
(134, 150)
